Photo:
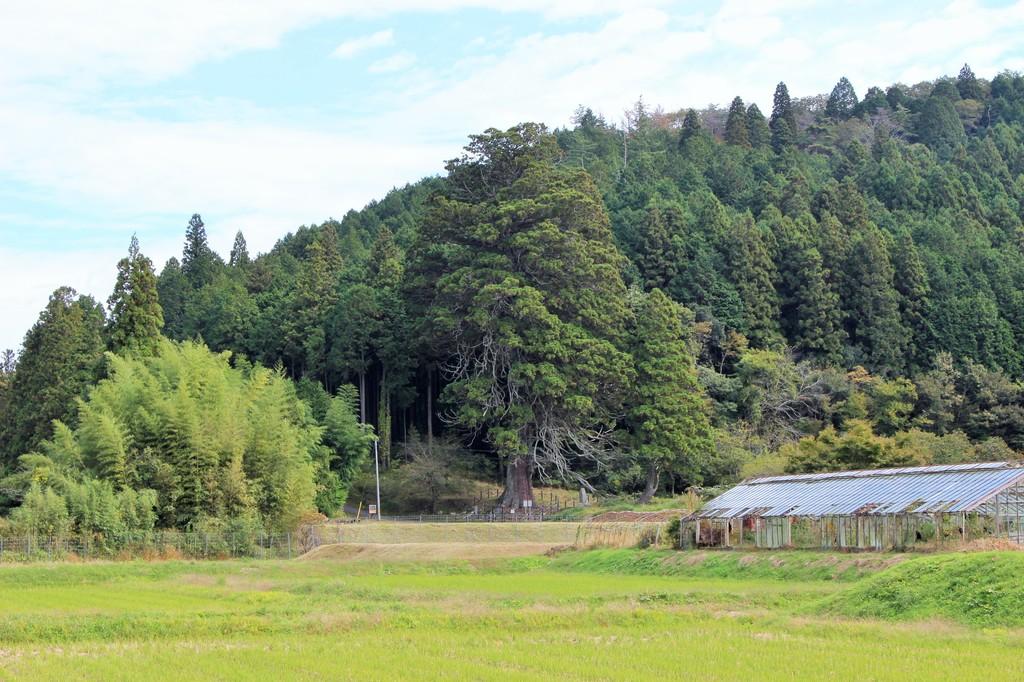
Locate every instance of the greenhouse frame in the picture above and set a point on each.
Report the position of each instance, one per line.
(876, 509)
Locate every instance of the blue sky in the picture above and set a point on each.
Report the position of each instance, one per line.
(122, 117)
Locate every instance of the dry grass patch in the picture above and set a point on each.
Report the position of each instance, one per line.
(430, 551)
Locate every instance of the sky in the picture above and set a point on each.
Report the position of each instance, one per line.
(128, 116)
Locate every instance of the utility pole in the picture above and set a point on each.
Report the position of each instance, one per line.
(376, 469)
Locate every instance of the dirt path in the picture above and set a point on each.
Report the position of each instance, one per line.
(429, 551)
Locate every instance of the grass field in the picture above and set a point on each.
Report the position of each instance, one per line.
(604, 615)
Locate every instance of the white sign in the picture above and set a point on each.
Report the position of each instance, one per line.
(373, 510)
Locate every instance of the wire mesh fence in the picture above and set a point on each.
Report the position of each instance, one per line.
(498, 516)
(258, 545)
(158, 545)
(616, 534)
(399, 532)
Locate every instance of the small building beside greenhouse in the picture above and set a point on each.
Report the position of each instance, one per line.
(876, 509)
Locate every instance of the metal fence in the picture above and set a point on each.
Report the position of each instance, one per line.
(158, 545)
(497, 516)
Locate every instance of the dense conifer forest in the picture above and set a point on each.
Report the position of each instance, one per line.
(639, 306)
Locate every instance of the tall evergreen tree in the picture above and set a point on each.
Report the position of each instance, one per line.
(385, 260)
(394, 327)
(667, 420)
(816, 321)
(783, 119)
(896, 95)
(736, 124)
(353, 328)
(968, 85)
(842, 102)
(753, 273)
(316, 293)
(874, 101)
(533, 305)
(691, 126)
(174, 293)
(60, 358)
(757, 128)
(8, 363)
(136, 317)
(239, 252)
(911, 282)
(940, 127)
(198, 262)
(656, 254)
(873, 316)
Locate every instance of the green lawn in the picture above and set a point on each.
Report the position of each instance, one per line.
(594, 616)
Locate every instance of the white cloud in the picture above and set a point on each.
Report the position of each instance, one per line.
(243, 167)
(29, 279)
(396, 62)
(351, 48)
(161, 167)
(85, 41)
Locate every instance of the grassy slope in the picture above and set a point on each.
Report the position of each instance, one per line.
(979, 589)
(790, 565)
(600, 615)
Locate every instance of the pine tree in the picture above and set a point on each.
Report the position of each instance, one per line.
(946, 87)
(873, 316)
(533, 307)
(667, 421)
(753, 273)
(940, 127)
(198, 262)
(783, 119)
(60, 358)
(911, 282)
(968, 85)
(818, 329)
(353, 329)
(656, 253)
(316, 293)
(842, 102)
(386, 270)
(8, 363)
(174, 293)
(896, 96)
(691, 127)
(136, 317)
(385, 260)
(874, 101)
(239, 252)
(757, 128)
(736, 124)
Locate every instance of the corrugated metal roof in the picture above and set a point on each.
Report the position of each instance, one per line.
(948, 488)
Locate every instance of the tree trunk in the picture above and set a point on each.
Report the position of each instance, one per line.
(518, 484)
(384, 420)
(362, 397)
(651, 486)
(430, 409)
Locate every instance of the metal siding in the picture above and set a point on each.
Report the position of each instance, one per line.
(952, 488)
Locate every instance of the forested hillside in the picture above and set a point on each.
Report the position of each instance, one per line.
(679, 299)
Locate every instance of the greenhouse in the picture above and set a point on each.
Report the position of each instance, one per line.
(875, 509)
